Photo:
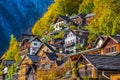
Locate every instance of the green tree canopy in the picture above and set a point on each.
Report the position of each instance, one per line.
(59, 7)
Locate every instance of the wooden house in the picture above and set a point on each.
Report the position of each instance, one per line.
(25, 64)
(100, 67)
(73, 37)
(30, 46)
(61, 22)
(89, 17)
(45, 48)
(58, 44)
(31, 72)
(98, 42)
(79, 20)
(47, 60)
(111, 45)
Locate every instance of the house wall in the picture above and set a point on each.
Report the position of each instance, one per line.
(70, 38)
(24, 49)
(44, 60)
(114, 76)
(89, 19)
(78, 20)
(34, 47)
(23, 68)
(43, 49)
(31, 75)
(109, 45)
(109, 74)
(57, 26)
(89, 71)
(99, 43)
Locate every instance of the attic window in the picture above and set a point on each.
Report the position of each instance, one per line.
(47, 50)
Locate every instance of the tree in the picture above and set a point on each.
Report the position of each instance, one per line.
(59, 7)
(107, 17)
(12, 54)
(86, 6)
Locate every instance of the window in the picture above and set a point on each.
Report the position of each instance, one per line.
(35, 44)
(114, 49)
(108, 50)
(89, 73)
(43, 58)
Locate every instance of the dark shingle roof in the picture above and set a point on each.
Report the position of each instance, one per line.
(50, 47)
(9, 62)
(103, 62)
(34, 39)
(33, 58)
(116, 38)
(59, 62)
(51, 55)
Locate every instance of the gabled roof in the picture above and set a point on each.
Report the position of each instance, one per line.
(76, 32)
(66, 18)
(90, 15)
(58, 62)
(103, 62)
(27, 35)
(48, 45)
(32, 39)
(51, 55)
(33, 58)
(78, 15)
(99, 37)
(115, 38)
(31, 67)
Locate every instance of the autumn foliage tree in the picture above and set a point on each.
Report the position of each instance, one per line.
(12, 54)
(107, 18)
(59, 7)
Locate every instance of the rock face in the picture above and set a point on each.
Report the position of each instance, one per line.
(16, 16)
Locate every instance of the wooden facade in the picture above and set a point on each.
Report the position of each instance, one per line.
(110, 46)
(44, 48)
(92, 67)
(24, 65)
(24, 48)
(115, 77)
(31, 72)
(46, 62)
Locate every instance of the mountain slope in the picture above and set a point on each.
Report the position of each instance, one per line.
(16, 16)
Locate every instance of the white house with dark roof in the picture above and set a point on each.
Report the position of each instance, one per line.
(30, 46)
(61, 22)
(73, 37)
(35, 44)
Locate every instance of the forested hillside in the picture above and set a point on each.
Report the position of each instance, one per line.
(106, 21)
